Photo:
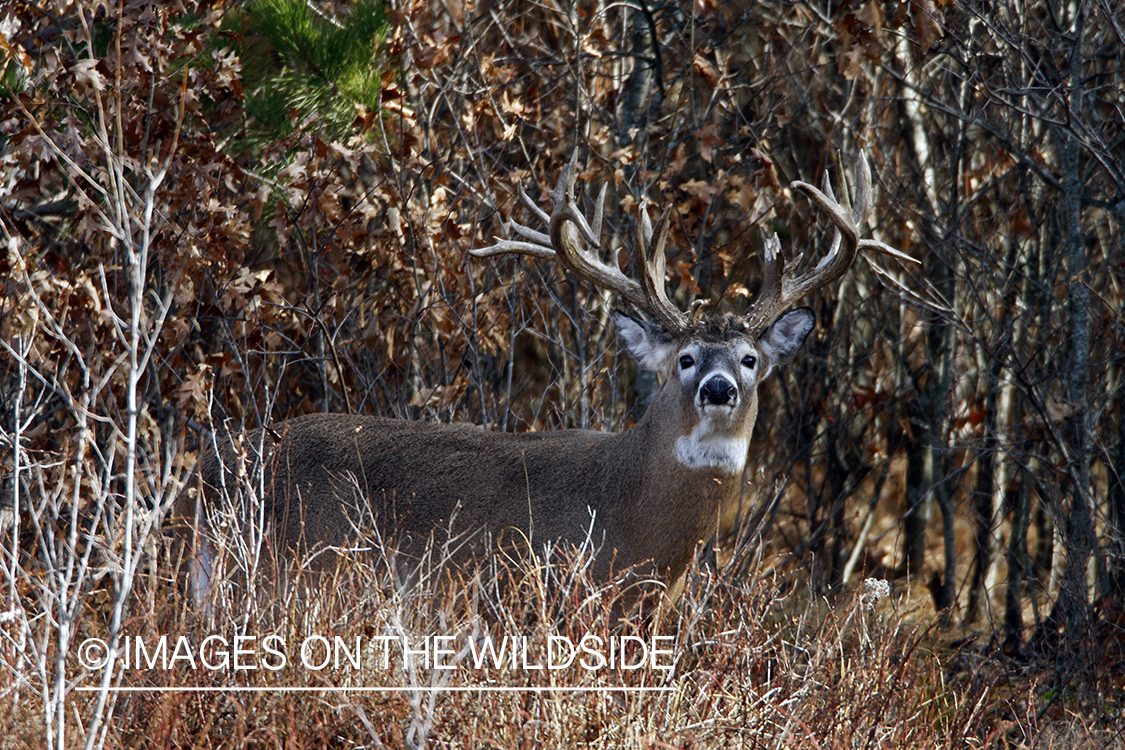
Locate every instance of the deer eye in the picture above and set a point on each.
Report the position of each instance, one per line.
(749, 361)
(686, 361)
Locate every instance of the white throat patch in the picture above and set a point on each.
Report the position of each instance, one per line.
(703, 449)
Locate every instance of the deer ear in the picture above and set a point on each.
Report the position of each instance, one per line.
(784, 338)
(648, 344)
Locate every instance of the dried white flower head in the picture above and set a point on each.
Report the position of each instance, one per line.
(874, 589)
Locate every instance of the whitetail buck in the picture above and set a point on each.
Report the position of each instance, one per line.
(646, 495)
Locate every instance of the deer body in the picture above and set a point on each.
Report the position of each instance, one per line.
(480, 481)
(647, 495)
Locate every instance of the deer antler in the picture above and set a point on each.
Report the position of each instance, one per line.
(778, 290)
(573, 241)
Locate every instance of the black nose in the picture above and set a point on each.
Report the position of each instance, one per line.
(718, 391)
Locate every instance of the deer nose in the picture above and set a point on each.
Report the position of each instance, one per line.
(718, 391)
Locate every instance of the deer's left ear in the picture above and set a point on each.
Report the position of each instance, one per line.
(787, 335)
(648, 344)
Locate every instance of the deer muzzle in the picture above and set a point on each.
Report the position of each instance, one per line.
(718, 391)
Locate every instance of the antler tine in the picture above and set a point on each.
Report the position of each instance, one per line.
(564, 209)
(539, 238)
(532, 206)
(862, 199)
(563, 192)
(826, 188)
(847, 221)
(540, 245)
(862, 206)
(653, 271)
(778, 290)
(768, 303)
(646, 224)
(599, 211)
(573, 241)
(596, 225)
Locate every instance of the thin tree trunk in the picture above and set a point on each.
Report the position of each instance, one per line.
(920, 476)
(1114, 585)
(1071, 610)
(1018, 569)
(991, 493)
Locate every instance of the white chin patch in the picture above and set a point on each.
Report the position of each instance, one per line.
(703, 449)
(723, 411)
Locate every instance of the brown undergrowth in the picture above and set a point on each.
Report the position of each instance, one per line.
(528, 652)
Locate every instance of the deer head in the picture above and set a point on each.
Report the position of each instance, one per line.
(713, 363)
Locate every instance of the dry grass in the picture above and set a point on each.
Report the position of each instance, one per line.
(756, 662)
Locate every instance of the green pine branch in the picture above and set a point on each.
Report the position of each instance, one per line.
(298, 62)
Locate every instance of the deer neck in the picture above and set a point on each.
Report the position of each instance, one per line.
(665, 506)
(709, 445)
(680, 457)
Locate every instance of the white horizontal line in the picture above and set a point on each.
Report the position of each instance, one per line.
(381, 689)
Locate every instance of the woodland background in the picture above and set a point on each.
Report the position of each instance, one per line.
(226, 214)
